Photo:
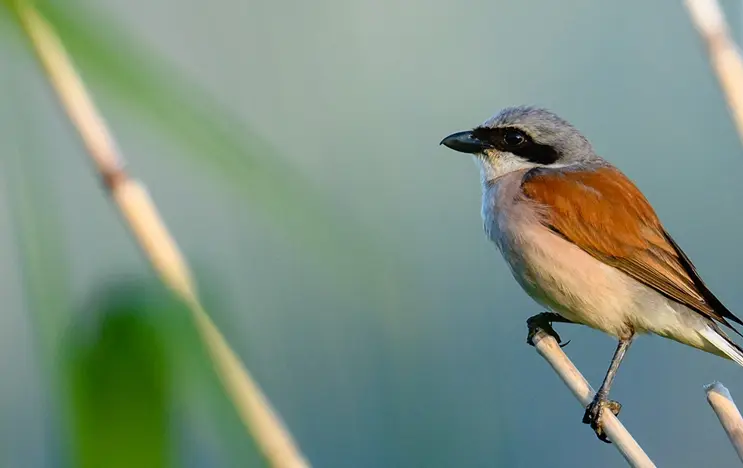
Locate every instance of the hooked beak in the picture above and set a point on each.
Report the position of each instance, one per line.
(464, 142)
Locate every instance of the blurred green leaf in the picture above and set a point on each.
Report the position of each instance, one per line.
(120, 388)
(142, 389)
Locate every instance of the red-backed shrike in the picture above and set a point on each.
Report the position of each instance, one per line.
(582, 240)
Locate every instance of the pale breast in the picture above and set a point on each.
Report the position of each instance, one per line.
(553, 271)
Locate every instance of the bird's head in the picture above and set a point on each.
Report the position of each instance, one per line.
(519, 138)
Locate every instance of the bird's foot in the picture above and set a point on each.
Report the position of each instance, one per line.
(595, 410)
(543, 322)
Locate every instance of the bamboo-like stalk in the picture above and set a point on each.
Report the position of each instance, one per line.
(724, 55)
(727, 63)
(550, 350)
(722, 403)
(148, 229)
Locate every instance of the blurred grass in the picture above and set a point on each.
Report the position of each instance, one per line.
(37, 234)
(40, 240)
(139, 382)
(120, 387)
(212, 138)
(210, 135)
(113, 372)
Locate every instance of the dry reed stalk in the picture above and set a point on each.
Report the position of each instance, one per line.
(550, 350)
(157, 244)
(726, 60)
(724, 55)
(722, 403)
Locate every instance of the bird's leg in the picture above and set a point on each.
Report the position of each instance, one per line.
(544, 322)
(600, 401)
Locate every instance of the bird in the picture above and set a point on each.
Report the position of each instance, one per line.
(583, 241)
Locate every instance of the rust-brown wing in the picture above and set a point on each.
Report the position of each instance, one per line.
(602, 212)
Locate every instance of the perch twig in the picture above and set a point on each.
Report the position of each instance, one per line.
(724, 55)
(727, 63)
(722, 403)
(548, 348)
(157, 244)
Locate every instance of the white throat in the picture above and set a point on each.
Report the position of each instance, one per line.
(495, 166)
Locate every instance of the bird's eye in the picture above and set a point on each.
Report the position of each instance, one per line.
(514, 138)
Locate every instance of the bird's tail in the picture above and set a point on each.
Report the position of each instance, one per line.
(721, 341)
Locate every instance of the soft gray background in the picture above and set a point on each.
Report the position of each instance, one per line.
(357, 95)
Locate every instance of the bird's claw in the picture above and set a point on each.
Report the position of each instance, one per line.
(594, 412)
(543, 322)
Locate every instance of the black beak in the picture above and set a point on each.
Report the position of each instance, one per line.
(464, 142)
